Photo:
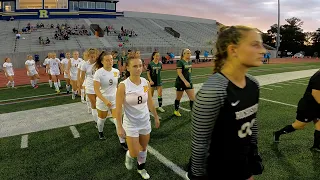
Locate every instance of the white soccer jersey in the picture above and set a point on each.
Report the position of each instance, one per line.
(108, 82)
(65, 63)
(45, 63)
(135, 104)
(31, 65)
(9, 69)
(75, 65)
(88, 68)
(54, 65)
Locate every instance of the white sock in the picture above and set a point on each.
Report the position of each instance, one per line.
(50, 83)
(95, 115)
(87, 99)
(68, 87)
(59, 84)
(82, 94)
(32, 83)
(122, 140)
(12, 83)
(142, 157)
(100, 124)
(56, 86)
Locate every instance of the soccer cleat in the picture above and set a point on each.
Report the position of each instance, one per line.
(58, 91)
(144, 174)
(128, 162)
(161, 109)
(84, 102)
(101, 136)
(177, 113)
(68, 92)
(276, 137)
(124, 146)
(36, 86)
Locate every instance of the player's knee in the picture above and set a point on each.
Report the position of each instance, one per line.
(298, 125)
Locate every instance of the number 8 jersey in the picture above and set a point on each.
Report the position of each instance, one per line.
(136, 111)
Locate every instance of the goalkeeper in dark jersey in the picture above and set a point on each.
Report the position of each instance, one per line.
(154, 77)
(308, 110)
(224, 115)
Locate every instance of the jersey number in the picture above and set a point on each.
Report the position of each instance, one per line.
(139, 99)
(246, 129)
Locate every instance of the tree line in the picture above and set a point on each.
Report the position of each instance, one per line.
(293, 39)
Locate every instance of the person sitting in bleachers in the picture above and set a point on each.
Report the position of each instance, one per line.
(47, 41)
(41, 40)
(18, 35)
(14, 30)
(52, 26)
(119, 37)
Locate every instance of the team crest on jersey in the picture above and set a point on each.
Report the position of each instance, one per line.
(145, 88)
(115, 74)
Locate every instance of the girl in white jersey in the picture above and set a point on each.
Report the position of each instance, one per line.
(8, 71)
(55, 66)
(87, 71)
(32, 71)
(134, 96)
(45, 63)
(73, 72)
(65, 70)
(80, 83)
(105, 82)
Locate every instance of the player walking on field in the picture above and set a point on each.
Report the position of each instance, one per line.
(308, 110)
(183, 81)
(73, 64)
(134, 96)
(32, 71)
(45, 63)
(65, 70)
(8, 72)
(55, 67)
(105, 81)
(154, 76)
(87, 72)
(224, 124)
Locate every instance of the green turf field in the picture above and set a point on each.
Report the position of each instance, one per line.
(199, 76)
(56, 154)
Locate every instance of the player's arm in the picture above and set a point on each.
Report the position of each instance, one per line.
(96, 86)
(152, 108)
(69, 67)
(119, 103)
(81, 76)
(205, 112)
(5, 69)
(316, 95)
(148, 74)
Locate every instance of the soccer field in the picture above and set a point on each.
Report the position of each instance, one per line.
(63, 153)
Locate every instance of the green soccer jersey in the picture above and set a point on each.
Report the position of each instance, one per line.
(155, 72)
(186, 67)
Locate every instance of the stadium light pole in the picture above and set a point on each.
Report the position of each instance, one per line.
(278, 33)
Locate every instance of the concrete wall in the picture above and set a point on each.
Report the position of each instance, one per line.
(166, 17)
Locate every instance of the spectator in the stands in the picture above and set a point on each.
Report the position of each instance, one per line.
(197, 52)
(48, 41)
(15, 30)
(18, 35)
(171, 58)
(37, 60)
(62, 55)
(122, 29)
(206, 55)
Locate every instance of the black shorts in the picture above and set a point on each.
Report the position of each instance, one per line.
(304, 116)
(156, 85)
(182, 86)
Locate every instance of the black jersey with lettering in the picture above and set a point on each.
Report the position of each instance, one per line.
(307, 103)
(224, 129)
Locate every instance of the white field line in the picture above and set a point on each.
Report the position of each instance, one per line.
(24, 141)
(277, 102)
(266, 88)
(188, 110)
(74, 131)
(274, 86)
(298, 83)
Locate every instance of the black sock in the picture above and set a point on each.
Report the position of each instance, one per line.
(316, 142)
(191, 105)
(286, 130)
(141, 166)
(160, 101)
(176, 105)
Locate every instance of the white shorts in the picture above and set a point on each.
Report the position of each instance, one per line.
(32, 73)
(102, 107)
(54, 73)
(90, 90)
(73, 77)
(65, 75)
(136, 131)
(9, 74)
